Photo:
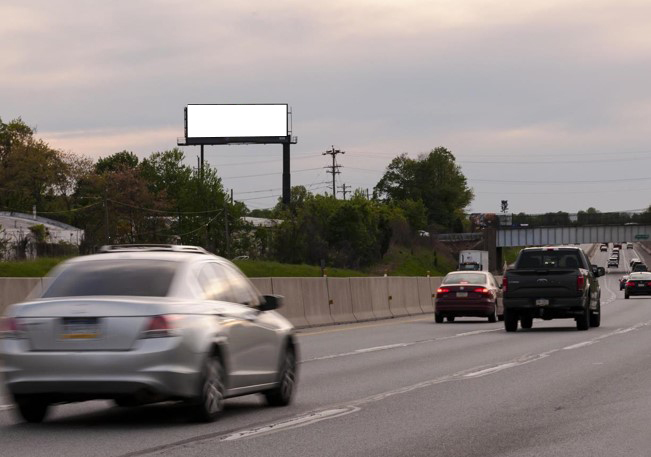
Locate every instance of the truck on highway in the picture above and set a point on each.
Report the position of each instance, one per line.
(473, 260)
(554, 282)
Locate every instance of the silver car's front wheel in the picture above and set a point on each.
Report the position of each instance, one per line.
(282, 394)
(210, 402)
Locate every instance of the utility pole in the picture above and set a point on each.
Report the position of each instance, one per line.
(343, 188)
(107, 239)
(334, 168)
(228, 240)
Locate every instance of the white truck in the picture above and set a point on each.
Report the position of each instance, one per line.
(473, 260)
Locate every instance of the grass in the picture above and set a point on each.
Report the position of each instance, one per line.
(510, 254)
(402, 261)
(399, 261)
(266, 268)
(29, 268)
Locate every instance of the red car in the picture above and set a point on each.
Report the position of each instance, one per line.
(465, 293)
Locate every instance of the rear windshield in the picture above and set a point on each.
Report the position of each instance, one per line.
(640, 276)
(549, 259)
(465, 278)
(134, 277)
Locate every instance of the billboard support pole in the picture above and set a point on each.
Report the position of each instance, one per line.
(287, 183)
(201, 172)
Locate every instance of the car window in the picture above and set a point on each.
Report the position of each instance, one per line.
(549, 259)
(214, 283)
(242, 291)
(135, 277)
(469, 278)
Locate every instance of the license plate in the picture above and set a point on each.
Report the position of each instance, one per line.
(542, 302)
(462, 294)
(80, 328)
(640, 285)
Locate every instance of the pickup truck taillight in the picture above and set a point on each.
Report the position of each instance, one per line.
(505, 283)
(580, 282)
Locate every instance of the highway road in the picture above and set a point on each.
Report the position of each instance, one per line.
(408, 387)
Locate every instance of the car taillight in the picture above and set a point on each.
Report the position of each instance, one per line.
(10, 327)
(580, 282)
(442, 290)
(482, 290)
(505, 283)
(160, 327)
(630, 284)
(648, 284)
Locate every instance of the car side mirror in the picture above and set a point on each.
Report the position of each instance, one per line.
(271, 302)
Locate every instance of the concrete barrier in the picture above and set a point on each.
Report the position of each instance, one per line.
(380, 297)
(15, 290)
(340, 299)
(403, 296)
(310, 301)
(263, 285)
(425, 295)
(362, 300)
(291, 289)
(315, 301)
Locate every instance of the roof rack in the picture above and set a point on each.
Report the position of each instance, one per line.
(152, 248)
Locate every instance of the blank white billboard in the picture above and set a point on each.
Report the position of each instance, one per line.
(233, 121)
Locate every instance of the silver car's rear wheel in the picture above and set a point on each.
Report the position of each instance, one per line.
(210, 402)
(282, 394)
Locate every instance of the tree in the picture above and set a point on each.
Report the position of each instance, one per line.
(434, 179)
(116, 161)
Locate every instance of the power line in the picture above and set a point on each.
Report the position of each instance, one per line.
(269, 174)
(334, 168)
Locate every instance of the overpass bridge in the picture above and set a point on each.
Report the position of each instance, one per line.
(541, 236)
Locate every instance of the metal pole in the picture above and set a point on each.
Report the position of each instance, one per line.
(334, 167)
(287, 189)
(202, 161)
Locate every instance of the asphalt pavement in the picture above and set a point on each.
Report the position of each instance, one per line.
(408, 387)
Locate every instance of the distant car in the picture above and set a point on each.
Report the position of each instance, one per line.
(622, 282)
(141, 324)
(613, 262)
(615, 254)
(474, 294)
(629, 245)
(617, 245)
(634, 260)
(638, 284)
(603, 247)
(639, 267)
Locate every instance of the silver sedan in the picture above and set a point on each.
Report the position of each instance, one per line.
(141, 324)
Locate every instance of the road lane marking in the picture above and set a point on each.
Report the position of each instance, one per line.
(398, 345)
(365, 325)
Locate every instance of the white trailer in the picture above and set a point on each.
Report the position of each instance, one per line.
(473, 260)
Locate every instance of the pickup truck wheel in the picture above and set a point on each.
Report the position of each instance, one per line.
(438, 318)
(583, 321)
(510, 321)
(595, 316)
(526, 322)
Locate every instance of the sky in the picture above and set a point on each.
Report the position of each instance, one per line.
(544, 103)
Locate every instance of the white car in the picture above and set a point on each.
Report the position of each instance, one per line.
(140, 324)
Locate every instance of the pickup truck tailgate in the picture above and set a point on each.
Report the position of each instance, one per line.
(543, 282)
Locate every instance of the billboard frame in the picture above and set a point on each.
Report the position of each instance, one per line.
(286, 141)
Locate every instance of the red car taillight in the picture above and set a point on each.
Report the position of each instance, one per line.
(11, 328)
(482, 290)
(580, 282)
(442, 290)
(630, 284)
(505, 283)
(160, 327)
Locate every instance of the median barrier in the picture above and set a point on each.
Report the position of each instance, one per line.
(292, 309)
(425, 295)
(340, 300)
(362, 300)
(15, 290)
(380, 297)
(263, 285)
(315, 301)
(403, 296)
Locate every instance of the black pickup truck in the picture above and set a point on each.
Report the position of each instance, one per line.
(552, 283)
